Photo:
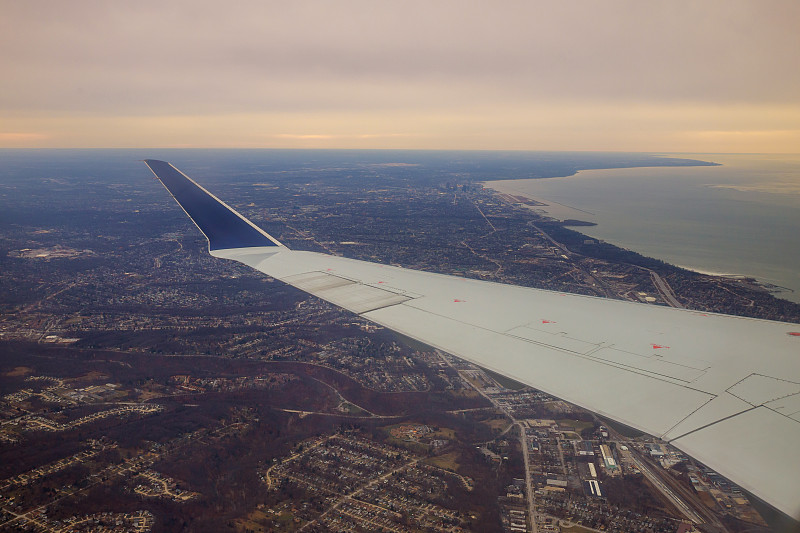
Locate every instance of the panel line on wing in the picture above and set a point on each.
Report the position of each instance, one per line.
(651, 365)
(682, 420)
(674, 367)
(695, 430)
(788, 406)
(791, 416)
(759, 389)
(352, 295)
(653, 374)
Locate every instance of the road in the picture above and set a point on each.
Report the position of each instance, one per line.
(599, 283)
(681, 498)
(351, 495)
(676, 500)
(664, 289)
(523, 439)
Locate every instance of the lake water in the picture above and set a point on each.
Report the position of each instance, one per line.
(740, 218)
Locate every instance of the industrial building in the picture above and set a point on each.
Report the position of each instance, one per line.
(608, 458)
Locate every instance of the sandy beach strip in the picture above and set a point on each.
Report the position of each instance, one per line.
(514, 191)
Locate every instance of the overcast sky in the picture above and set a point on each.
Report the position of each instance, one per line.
(697, 76)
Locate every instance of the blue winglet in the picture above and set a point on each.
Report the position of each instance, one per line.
(223, 226)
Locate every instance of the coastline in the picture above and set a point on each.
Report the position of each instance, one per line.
(541, 206)
(574, 218)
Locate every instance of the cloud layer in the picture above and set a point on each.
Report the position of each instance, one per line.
(484, 73)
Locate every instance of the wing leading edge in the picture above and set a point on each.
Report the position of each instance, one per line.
(724, 389)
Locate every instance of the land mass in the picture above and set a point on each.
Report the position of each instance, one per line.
(148, 387)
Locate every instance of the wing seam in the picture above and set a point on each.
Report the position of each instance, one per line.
(695, 430)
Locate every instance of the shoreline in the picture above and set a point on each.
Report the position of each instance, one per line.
(540, 206)
(562, 213)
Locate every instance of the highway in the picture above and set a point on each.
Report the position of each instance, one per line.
(676, 500)
(665, 290)
(523, 442)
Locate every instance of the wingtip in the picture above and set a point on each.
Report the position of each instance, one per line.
(149, 163)
(223, 226)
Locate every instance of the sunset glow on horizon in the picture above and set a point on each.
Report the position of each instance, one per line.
(717, 76)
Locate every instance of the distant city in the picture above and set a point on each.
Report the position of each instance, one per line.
(146, 386)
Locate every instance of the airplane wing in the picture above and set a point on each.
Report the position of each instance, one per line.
(724, 389)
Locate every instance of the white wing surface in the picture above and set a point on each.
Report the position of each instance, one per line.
(724, 389)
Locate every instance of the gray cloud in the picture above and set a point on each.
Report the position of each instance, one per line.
(204, 57)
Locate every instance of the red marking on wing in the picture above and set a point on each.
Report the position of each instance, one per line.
(657, 346)
(794, 333)
(458, 301)
(548, 321)
(381, 282)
